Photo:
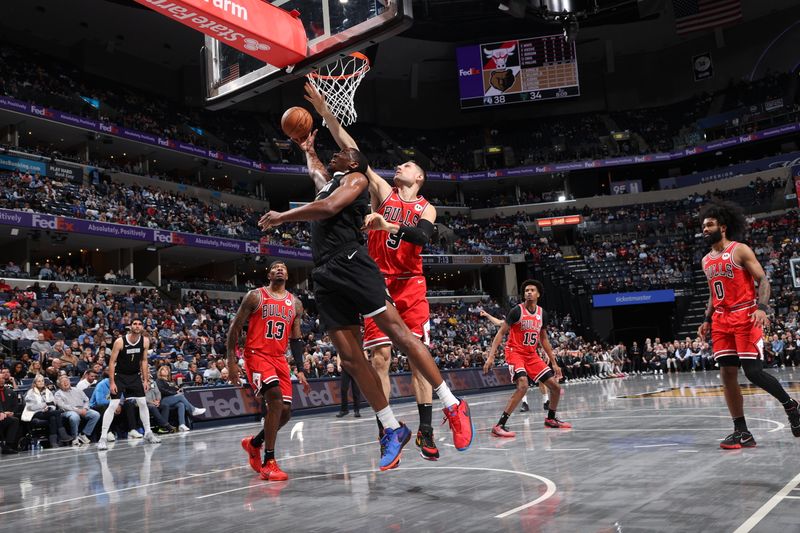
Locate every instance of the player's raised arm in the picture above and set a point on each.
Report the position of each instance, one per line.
(317, 171)
(379, 189)
(340, 135)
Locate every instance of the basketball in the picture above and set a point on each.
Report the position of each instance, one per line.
(296, 122)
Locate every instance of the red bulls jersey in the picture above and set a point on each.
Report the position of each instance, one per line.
(523, 335)
(396, 257)
(731, 285)
(270, 325)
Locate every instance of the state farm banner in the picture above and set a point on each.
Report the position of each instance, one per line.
(225, 402)
(254, 27)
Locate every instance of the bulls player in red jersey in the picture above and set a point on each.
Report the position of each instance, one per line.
(273, 316)
(736, 316)
(400, 224)
(526, 325)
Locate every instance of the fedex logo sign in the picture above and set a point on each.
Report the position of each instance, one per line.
(168, 237)
(44, 222)
(41, 111)
(162, 236)
(472, 71)
(53, 223)
(252, 248)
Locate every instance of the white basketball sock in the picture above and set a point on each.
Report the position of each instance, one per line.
(386, 416)
(444, 394)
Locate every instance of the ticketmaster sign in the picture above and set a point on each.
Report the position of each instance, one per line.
(633, 298)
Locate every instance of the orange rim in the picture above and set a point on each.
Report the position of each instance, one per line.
(357, 55)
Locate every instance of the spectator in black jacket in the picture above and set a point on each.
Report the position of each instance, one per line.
(9, 423)
(172, 396)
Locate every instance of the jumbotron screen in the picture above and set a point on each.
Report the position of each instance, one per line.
(524, 70)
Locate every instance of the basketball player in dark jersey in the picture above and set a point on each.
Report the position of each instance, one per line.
(736, 317)
(402, 222)
(128, 376)
(348, 286)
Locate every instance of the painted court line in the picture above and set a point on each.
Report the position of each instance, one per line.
(656, 445)
(567, 449)
(551, 487)
(756, 517)
(173, 480)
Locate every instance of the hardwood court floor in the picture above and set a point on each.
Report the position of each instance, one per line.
(643, 456)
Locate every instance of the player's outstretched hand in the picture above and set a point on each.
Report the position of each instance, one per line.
(315, 98)
(760, 319)
(269, 220)
(702, 331)
(375, 221)
(301, 377)
(488, 365)
(307, 144)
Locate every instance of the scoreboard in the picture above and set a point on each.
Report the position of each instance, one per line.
(524, 70)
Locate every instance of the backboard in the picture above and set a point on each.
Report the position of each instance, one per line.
(334, 28)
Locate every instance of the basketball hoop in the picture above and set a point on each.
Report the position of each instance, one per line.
(338, 82)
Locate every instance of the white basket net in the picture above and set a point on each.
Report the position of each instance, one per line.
(338, 82)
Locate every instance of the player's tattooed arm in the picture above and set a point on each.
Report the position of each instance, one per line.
(246, 308)
(317, 171)
(745, 256)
